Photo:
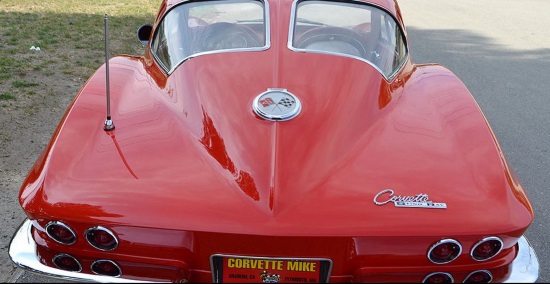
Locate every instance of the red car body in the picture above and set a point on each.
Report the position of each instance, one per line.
(196, 186)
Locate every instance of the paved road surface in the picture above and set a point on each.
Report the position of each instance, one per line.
(501, 50)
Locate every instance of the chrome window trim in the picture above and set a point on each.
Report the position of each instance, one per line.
(484, 240)
(444, 241)
(266, 46)
(388, 78)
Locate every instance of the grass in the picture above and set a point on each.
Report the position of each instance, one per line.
(6, 96)
(70, 35)
(23, 84)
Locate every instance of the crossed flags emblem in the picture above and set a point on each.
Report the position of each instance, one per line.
(286, 102)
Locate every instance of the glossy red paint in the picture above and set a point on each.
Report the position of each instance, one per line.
(191, 171)
(212, 150)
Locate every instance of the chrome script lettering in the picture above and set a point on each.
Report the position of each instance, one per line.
(420, 200)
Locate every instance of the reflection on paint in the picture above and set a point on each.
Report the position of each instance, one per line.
(215, 146)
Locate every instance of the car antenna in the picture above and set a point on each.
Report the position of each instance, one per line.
(108, 122)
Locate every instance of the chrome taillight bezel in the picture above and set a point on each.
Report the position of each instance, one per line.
(443, 242)
(501, 243)
(448, 275)
(109, 261)
(90, 238)
(487, 272)
(59, 255)
(49, 227)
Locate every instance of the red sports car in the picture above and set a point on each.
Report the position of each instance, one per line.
(275, 141)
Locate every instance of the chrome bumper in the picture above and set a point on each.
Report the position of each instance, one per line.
(525, 268)
(23, 253)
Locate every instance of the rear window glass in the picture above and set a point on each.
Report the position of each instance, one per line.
(194, 28)
(351, 29)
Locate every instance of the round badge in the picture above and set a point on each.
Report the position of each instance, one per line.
(277, 105)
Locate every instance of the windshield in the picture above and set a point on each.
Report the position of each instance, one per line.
(209, 26)
(350, 29)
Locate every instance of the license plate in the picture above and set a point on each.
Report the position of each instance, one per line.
(239, 269)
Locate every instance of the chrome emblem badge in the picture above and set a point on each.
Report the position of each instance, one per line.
(420, 200)
(277, 105)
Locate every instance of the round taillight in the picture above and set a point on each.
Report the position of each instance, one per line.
(438, 277)
(67, 262)
(480, 276)
(106, 267)
(60, 233)
(444, 251)
(101, 238)
(486, 248)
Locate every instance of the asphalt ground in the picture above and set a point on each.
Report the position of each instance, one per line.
(501, 51)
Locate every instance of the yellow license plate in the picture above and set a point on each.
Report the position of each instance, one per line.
(233, 269)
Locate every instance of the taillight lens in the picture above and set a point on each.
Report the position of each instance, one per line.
(480, 276)
(444, 251)
(106, 267)
(101, 238)
(486, 249)
(67, 262)
(60, 233)
(438, 277)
